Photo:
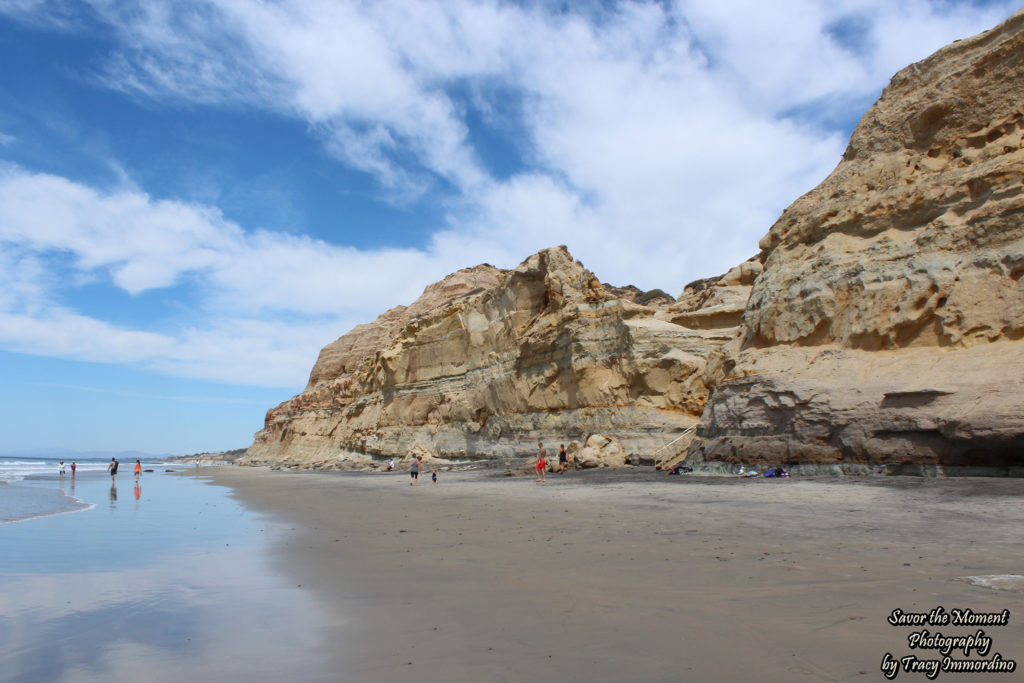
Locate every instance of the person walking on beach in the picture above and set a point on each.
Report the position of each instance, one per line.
(138, 471)
(414, 472)
(112, 468)
(62, 470)
(542, 463)
(563, 458)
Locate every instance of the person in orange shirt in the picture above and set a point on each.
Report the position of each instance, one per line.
(138, 471)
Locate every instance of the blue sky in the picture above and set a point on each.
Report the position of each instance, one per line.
(196, 196)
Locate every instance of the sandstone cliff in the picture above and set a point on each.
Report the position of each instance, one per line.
(886, 326)
(881, 326)
(487, 362)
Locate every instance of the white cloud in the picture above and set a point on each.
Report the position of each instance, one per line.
(25, 282)
(48, 13)
(237, 351)
(59, 332)
(267, 301)
(652, 117)
(933, 25)
(656, 140)
(142, 243)
(785, 53)
(334, 65)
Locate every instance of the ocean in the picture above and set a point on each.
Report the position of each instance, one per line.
(27, 487)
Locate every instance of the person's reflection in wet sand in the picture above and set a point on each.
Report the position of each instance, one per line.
(138, 492)
(113, 495)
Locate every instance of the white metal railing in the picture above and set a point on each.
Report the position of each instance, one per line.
(686, 432)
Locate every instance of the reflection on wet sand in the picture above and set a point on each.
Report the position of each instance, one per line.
(178, 589)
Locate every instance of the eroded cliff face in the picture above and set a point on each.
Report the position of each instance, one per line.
(487, 362)
(886, 326)
(880, 327)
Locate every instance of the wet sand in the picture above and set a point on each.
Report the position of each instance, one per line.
(636, 576)
(161, 582)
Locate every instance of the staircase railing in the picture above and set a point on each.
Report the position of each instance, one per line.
(689, 431)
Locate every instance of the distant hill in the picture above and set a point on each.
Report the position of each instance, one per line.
(208, 457)
(72, 454)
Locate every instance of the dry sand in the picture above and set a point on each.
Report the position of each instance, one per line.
(635, 576)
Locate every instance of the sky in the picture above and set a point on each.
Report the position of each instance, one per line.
(196, 195)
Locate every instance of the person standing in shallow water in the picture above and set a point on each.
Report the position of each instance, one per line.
(542, 463)
(74, 468)
(112, 468)
(138, 471)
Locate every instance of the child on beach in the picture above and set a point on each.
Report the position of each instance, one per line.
(62, 470)
(433, 477)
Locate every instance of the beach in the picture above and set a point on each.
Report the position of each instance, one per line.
(161, 581)
(632, 575)
(246, 574)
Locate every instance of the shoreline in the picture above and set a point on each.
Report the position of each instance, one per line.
(167, 580)
(22, 501)
(630, 576)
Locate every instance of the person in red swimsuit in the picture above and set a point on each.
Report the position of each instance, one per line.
(542, 463)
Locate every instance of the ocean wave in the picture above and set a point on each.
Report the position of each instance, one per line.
(18, 469)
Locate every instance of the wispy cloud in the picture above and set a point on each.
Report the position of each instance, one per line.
(266, 300)
(658, 140)
(145, 395)
(650, 118)
(53, 14)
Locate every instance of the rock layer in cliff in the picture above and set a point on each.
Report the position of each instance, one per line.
(880, 327)
(886, 327)
(487, 362)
